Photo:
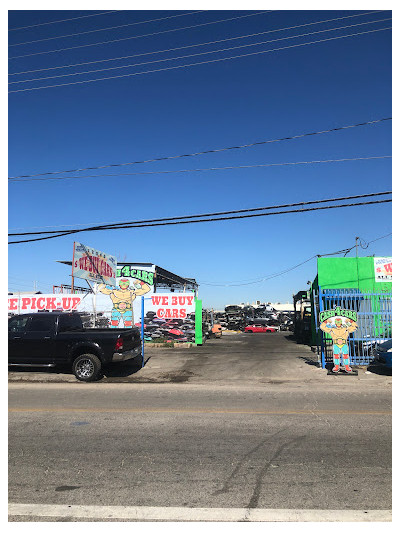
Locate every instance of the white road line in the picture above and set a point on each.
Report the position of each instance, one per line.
(187, 514)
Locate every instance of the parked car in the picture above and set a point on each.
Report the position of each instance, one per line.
(47, 339)
(383, 353)
(259, 328)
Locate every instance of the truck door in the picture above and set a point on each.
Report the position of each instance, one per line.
(16, 335)
(39, 339)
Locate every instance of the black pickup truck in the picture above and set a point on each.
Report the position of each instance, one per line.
(48, 339)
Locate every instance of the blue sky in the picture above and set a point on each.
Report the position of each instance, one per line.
(259, 97)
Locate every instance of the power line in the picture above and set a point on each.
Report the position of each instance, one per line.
(205, 220)
(18, 180)
(215, 150)
(140, 36)
(265, 278)
(218, 213)
(198, 63)
(64, 20)
(115, 224)
(194, 45)
(109, 28)
(195, 55)
(190, 219)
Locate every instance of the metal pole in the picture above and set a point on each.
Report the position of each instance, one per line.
(142, 331)
(94, 307)
(358, 275)
(73, 259)
(321, 333)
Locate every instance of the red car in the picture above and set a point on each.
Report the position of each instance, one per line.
(259, 329)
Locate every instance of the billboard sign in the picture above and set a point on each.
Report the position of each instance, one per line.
(123, 299)
(43, 302)
(93, 265)
(383, 269)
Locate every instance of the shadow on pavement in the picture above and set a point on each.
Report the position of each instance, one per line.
(309, 361)
(115, 370)
(123, 370)
(60, 369)
(381, 370)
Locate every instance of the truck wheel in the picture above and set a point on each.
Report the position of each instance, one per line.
(87, 367)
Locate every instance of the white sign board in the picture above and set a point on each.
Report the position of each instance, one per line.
(32, 303)
(383, 269)
(93, 265)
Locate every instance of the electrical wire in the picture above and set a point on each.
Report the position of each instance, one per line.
(215, 150)
(366, 244)
(18, 180)
(194, 55)
(198, 63)
(219, 213)
(106, 29)
(141, 36)
(182, 221)
(265, 278)
(192, 45)
(64, 20)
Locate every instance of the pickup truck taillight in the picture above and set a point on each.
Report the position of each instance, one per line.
(119, 344)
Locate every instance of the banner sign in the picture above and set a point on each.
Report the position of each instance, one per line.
(93, 265)
(170, 317)
(43, 302)
(172, 305)
(383, 269)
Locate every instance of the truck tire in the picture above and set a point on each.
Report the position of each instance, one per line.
(87, 367)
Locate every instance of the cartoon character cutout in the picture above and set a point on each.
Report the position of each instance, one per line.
(123, 298)
(339, 330)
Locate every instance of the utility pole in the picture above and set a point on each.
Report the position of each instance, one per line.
(358, 274)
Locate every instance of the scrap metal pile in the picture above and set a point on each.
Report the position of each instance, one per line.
(237, 317)
(173, 330)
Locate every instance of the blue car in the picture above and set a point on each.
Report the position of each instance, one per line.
(383, 353)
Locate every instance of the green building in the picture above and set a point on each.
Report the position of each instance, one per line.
(367, 275)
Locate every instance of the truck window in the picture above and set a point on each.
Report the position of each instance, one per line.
(41, 323)
(17, 325)
(69, 323)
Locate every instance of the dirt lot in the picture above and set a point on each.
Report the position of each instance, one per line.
(235, 358)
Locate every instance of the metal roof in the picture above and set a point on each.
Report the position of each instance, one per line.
(163, 278)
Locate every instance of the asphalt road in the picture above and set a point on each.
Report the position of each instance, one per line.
(237, 448)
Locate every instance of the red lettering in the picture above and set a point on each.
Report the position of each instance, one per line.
(25, 303)
(156, 300)
(75, 302)
(182, 300)
(12, 304)
(33, 303)
(174, 313)
(174, 300)
(39, 304)
(190, 300)
(388, 267)
(182, 313)
(164, 300)
(50, 303)
(160, 313)
(66, 303)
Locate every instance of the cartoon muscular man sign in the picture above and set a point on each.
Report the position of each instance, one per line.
(340, 331)
(122, 299)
